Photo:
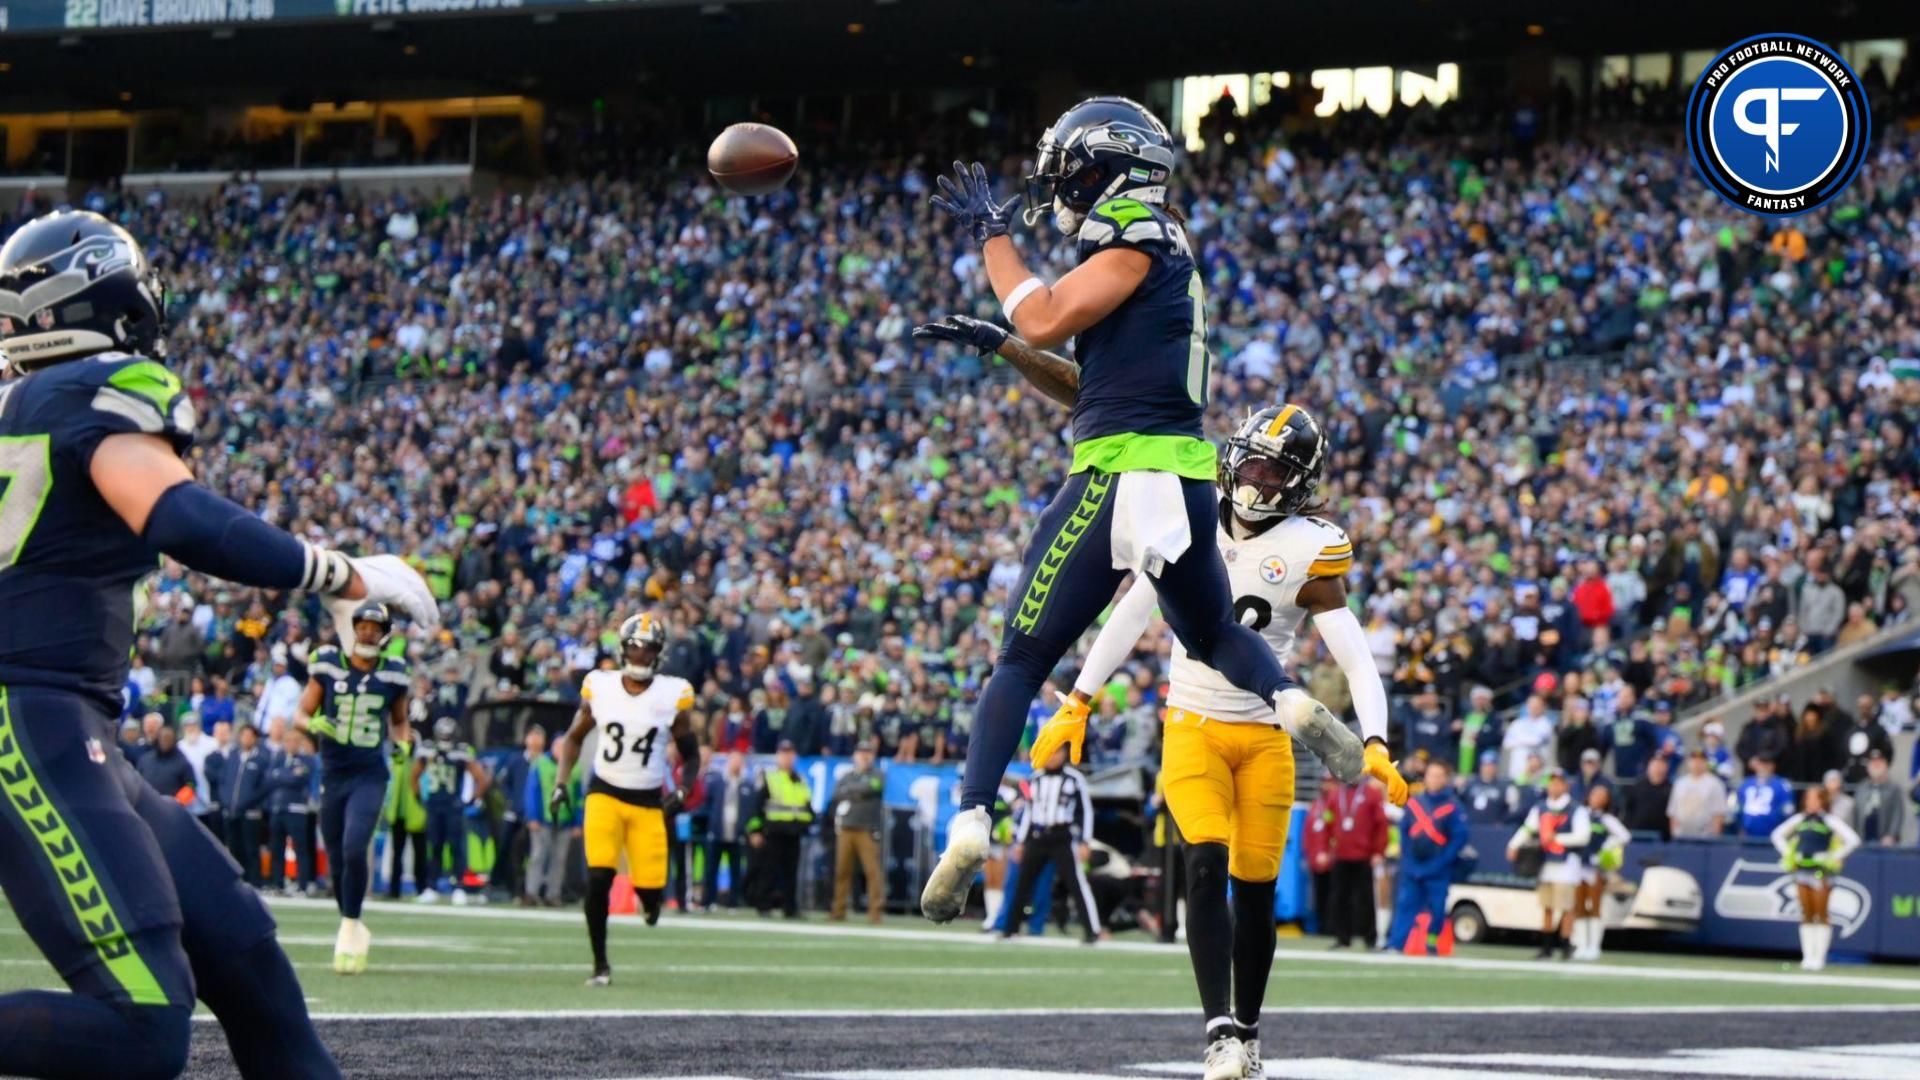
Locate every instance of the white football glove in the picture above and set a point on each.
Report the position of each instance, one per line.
(392, 582)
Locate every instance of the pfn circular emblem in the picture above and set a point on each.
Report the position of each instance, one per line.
(1777, 124)
(1272, 569)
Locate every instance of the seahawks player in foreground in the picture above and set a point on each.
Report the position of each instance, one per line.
(1227, 769)
(1139, 495)
(351, 706)
(135, 905)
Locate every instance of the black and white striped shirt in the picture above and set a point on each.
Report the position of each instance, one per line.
(1059, 799)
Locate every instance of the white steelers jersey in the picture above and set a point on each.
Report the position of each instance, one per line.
(633, 731)
(1267, 572)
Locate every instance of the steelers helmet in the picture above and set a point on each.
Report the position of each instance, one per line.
(1271, 466)
(642, 637)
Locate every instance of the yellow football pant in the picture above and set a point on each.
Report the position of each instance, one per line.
(1230, 784)
(613, 826)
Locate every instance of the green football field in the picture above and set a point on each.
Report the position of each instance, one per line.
(436, 960)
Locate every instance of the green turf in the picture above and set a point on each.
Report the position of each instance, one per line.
(437, 959)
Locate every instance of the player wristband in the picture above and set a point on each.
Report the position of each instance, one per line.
(1020, 293)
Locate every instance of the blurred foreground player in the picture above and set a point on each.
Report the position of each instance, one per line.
(355, 707)
(628, 803)
(129, 899)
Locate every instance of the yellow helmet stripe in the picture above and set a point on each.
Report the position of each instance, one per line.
(1280, 422)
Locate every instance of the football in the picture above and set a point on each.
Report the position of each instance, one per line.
(752, 159)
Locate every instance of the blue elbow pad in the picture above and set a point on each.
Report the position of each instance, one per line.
(216, 536)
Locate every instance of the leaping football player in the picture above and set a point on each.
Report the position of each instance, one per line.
(628, 803)
(134, 903)
(1139, 495)
(1226, 767)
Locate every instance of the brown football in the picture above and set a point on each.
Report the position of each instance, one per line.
(752, 159)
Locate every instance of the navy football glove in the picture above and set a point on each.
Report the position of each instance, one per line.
(964, 330)
(969, 198)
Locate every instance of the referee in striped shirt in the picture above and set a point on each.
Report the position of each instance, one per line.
(1057, 826)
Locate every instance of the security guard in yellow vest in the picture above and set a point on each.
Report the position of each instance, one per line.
(775, 832)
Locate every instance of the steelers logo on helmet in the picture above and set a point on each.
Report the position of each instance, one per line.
(1777, 124)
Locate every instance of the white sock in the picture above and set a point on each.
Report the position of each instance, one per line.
(1806, 945)
(1822, 941)
(1595, 934)
(993, 904)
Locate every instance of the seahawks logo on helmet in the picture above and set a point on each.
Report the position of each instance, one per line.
(1271, 465)
(73, 284)
(1096, 150)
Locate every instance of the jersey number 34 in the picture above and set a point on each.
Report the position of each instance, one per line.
(615, 746)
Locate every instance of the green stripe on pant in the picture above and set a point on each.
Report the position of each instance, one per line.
(98, 921)
(1071, 530)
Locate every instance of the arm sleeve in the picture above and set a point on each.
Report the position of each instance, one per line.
(1123, 630)
(1618, 835)
(1849, 840)
(1086, 812)
(216, 536)
(1348, 644)
(1579, 829)
(1780, 833)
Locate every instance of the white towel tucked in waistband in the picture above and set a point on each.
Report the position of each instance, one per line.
(1149, 522)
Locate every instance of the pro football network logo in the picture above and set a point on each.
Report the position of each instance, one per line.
(1777, 124)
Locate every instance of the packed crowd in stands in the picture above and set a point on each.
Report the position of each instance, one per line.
(1607, 446)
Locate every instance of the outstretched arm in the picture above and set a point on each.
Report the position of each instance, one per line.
(1068, 726)
(143, 480)
(1326, 598)
(1050, 373)
(1048, 315)
(1054, 375)
(1124, 628)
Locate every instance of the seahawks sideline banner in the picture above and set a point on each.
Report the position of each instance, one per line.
(1749, 903)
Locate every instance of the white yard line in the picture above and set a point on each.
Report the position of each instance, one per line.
(1550, 969)
(1182, 1011)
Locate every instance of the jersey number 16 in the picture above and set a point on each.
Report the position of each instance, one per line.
(358, 717)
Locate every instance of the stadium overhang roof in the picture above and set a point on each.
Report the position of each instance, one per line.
(85, 53)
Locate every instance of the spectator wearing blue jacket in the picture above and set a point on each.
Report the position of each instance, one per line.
(1432, 834)
(1764, 800)
(1429, 727)
(244, 799)
(294, 780)
(1632, 739)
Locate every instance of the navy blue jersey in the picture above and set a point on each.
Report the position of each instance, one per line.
(1143, 368)
(446, 770)
(68, 564)
(356, 706)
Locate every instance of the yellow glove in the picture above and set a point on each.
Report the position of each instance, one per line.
(1067, 727)
(1381, 768)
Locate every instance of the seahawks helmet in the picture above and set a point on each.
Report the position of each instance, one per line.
(73, 284)
(645, 634)
(446, 730)
(1096, 150)
(1271, 466)
(380, 616)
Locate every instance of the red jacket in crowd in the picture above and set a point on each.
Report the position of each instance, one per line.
(1346, 825)
(1594, 601)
